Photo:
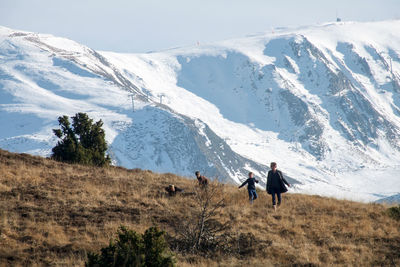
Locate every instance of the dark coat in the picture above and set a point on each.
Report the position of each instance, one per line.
(281, 182)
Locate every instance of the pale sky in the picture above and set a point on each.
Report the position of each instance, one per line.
(149, 25)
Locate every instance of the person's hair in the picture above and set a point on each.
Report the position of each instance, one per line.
(250, 173)
(197, 172)
(273, 164)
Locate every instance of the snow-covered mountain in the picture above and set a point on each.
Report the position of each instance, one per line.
(43, 77)
(390, 199)
(323, 101)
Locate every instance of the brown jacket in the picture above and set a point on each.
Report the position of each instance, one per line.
(202, 180)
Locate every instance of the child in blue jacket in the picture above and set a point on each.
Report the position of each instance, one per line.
(251, 187)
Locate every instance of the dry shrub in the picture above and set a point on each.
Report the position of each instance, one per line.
(199, 229)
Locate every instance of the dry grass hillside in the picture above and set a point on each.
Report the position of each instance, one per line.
(53, 213)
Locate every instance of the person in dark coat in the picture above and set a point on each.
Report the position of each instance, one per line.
(251, 187)
(172, 190)
(276, 184)
(203, 181)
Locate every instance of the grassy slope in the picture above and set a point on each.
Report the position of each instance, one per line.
(52, 213)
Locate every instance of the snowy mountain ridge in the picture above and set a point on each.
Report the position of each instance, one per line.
(323, 101)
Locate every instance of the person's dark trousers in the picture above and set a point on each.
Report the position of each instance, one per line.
(252, 195)
(278, 194)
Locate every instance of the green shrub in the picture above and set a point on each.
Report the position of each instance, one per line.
(394, 212)
(82, 143)
(133, 249)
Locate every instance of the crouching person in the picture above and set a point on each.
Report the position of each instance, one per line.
(172, 190)
(251, 187)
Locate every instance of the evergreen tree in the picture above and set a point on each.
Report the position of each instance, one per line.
(156, 248)
(133, 249)
(83, 142)
(394, 212)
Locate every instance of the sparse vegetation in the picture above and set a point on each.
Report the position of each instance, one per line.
(198, 230)
(53, 213)
(82, 143)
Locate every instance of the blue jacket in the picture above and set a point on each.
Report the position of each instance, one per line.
(251, 183)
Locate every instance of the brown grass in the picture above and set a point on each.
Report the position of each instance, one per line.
(53, 213)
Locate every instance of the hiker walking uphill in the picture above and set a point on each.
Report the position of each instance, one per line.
(251, 187)
(203, 181)
(276, 184)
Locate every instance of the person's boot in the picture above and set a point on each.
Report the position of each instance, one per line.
(274, 207)
(279, 203)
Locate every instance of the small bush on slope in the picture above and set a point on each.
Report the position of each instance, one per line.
(394, 212)
(133, 249)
